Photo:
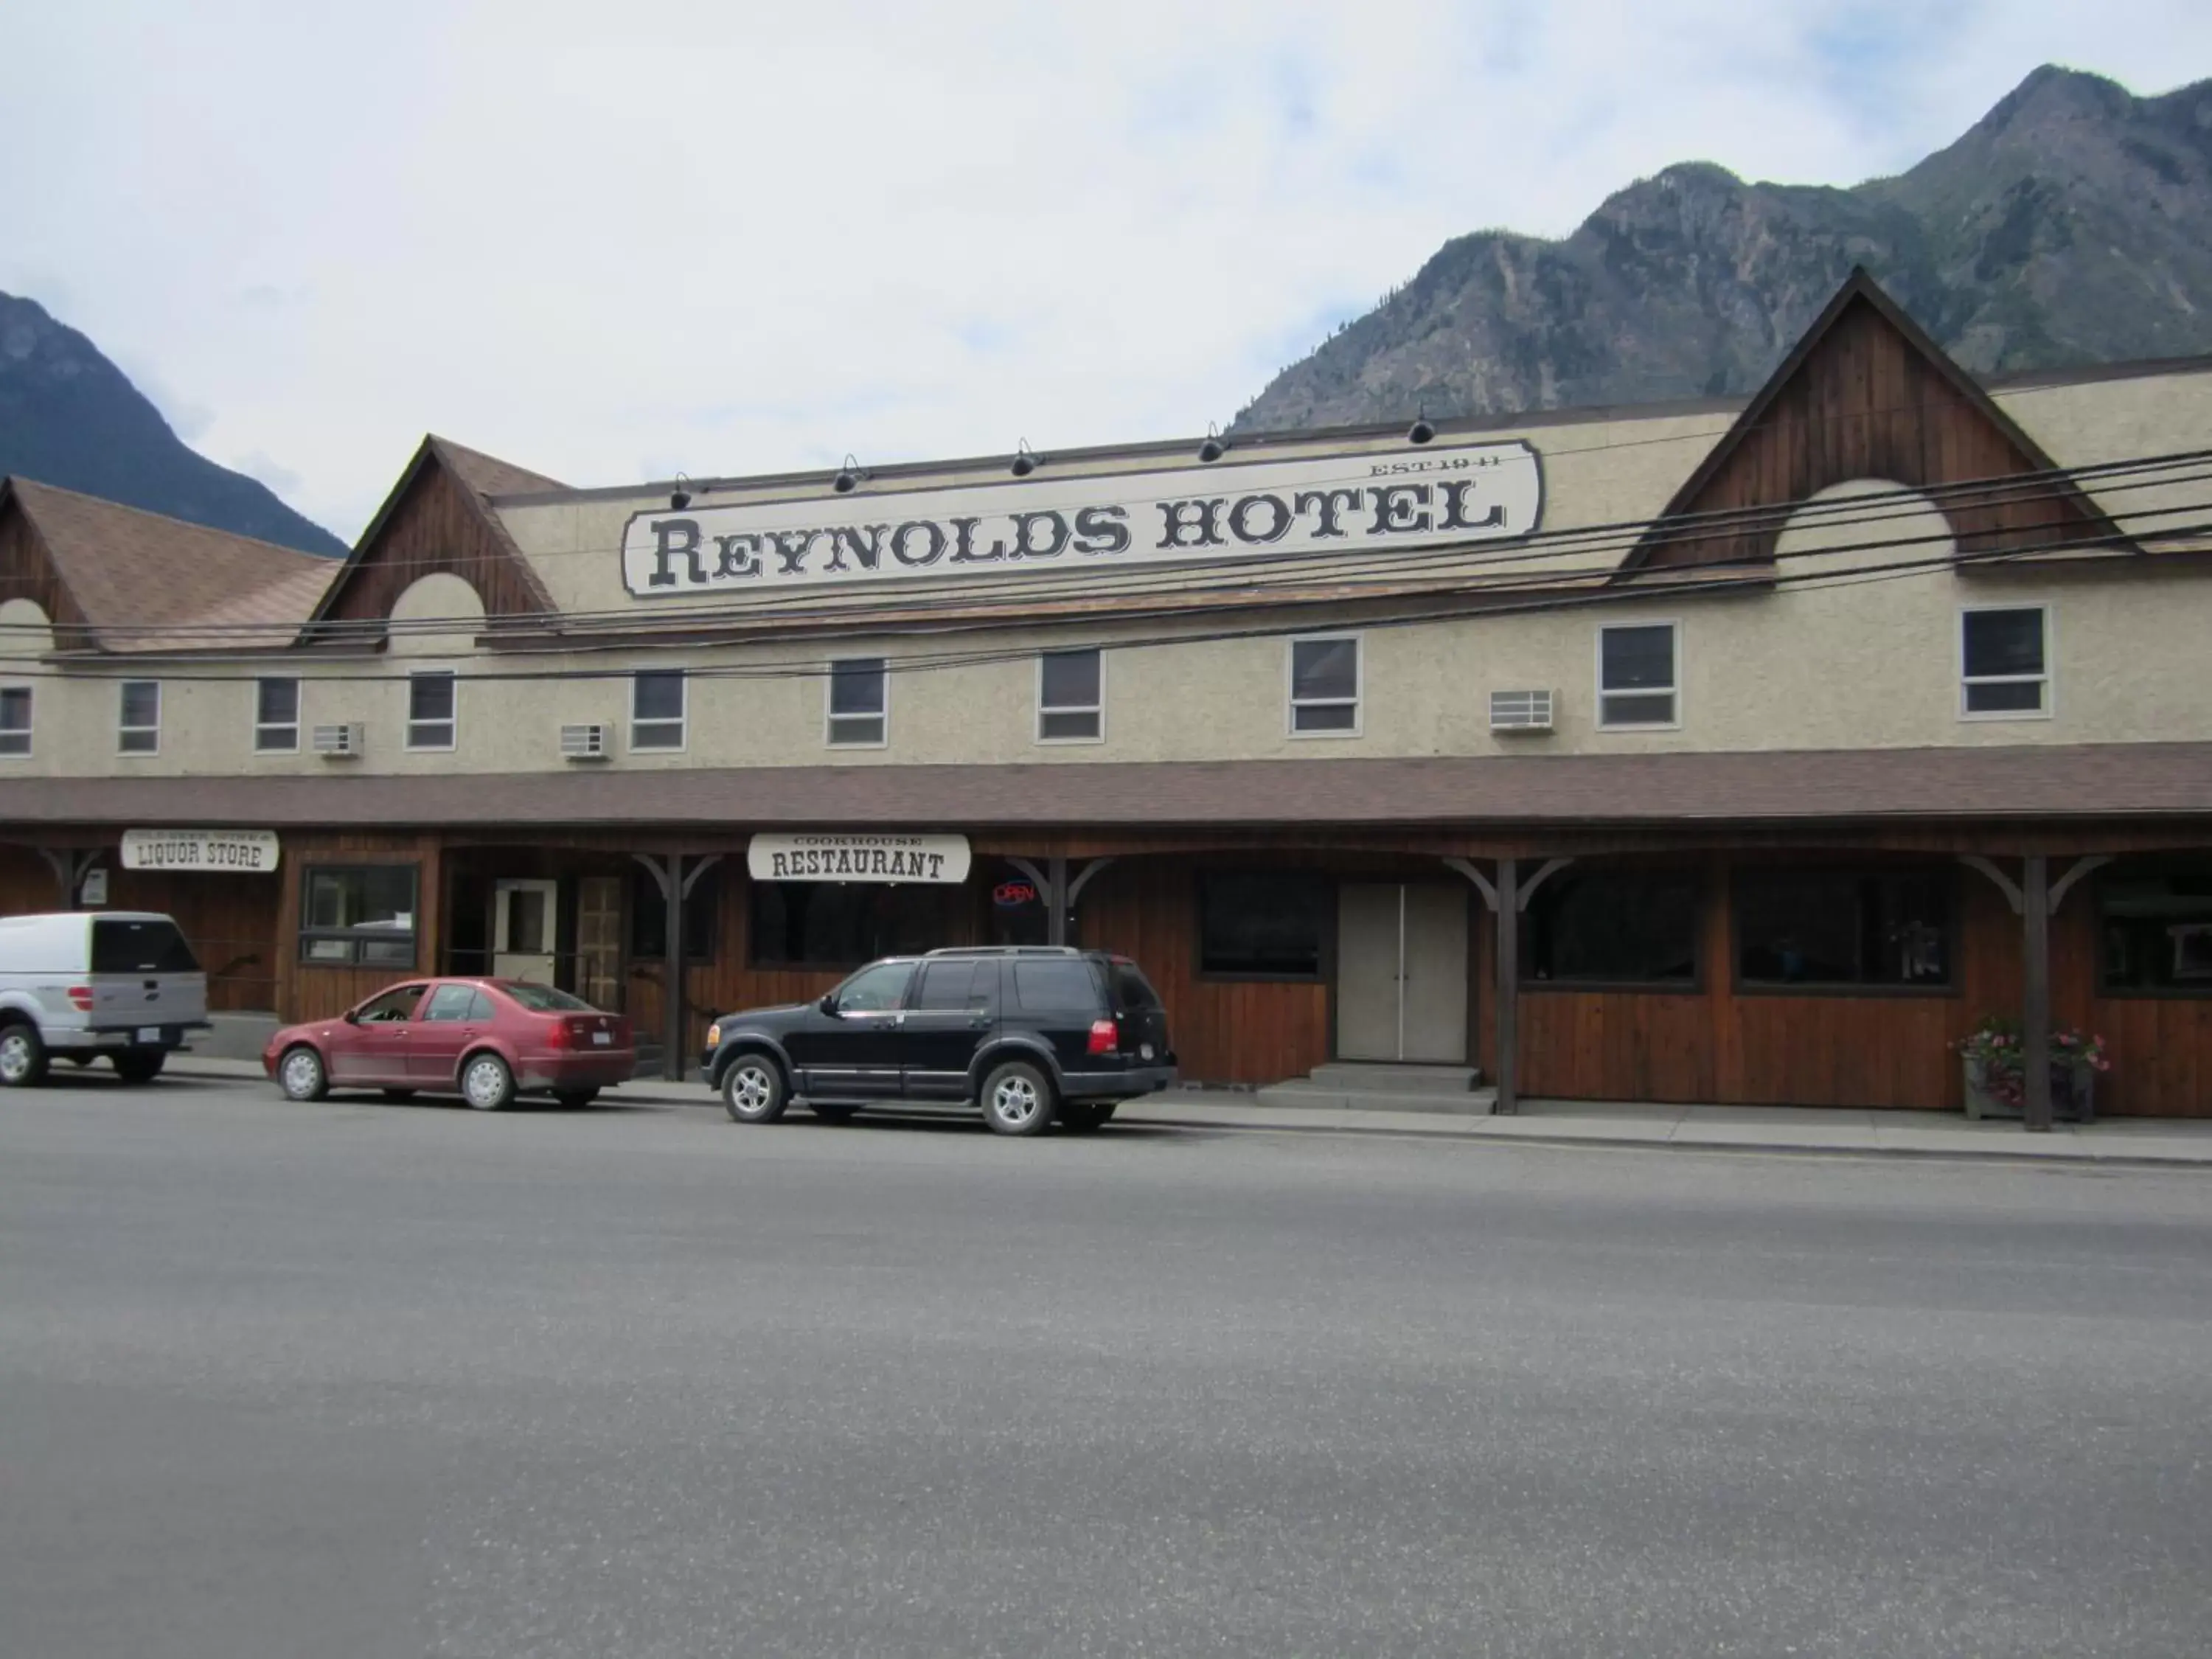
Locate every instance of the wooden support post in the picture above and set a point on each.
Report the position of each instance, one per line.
(671, 1060)
(1508, 989)
(1056, 923)
(2035, 1013)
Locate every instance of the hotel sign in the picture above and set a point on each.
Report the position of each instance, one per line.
(942, 860)
(199, 849)
(1337, 504)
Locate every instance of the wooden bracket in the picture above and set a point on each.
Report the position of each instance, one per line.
(1482, 882)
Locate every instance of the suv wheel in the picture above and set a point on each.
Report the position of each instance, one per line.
(753, 1091)
(1017, 1099)
(22, 1056)
(1083, 1115)
(140, 1065)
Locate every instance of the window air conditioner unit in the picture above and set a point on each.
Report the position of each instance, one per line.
(1520, 711)
(340, 742)
(583, 743)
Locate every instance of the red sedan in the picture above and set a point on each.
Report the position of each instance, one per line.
(492, 1039)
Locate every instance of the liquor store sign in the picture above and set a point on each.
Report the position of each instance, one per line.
(199, 849)
(1345, 505)
(941, 859)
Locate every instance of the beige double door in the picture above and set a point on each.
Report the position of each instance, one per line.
(1401, 972)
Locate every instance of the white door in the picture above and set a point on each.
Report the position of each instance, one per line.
(1401, 972)
(522, 930)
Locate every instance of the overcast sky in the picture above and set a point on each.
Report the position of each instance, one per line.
(610, 241)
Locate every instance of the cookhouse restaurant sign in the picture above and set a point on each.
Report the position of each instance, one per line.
(942, 860)
(1332, 504)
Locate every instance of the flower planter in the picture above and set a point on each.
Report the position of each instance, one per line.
(2073, 1094)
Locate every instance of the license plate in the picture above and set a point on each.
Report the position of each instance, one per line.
(1144, 1051)
(604, 1039)
(149, 1034)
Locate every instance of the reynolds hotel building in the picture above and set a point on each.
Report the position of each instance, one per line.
(1719, 751)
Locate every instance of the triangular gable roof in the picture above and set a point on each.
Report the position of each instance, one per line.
(1867, 394)
(117, 578)
(437, 519)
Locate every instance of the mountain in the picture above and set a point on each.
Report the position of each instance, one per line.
(2072, 225)
(68, 417)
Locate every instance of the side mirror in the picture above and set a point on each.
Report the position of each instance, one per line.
(829, 1003)
(352, 1017)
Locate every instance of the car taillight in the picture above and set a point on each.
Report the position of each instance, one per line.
(1105, 1037)
(557, 1038)
(80, 998)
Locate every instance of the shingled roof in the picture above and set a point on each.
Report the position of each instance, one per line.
(2027, 783)
(136, 581)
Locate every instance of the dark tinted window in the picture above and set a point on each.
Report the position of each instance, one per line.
(822, 924)
(1131, 988)
(450, 1004)
(543, 999)
(947, 984)
(1266, 924)
(1614, 926)
(1041, 987)
(648, 916)
(1843, 927)
(2155, 923)
(141, 947)
(2001, 643)
(1636, 675)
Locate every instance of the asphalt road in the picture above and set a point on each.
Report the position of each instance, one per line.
(359, 1379)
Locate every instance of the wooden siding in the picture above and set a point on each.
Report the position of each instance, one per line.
(26, 572)
(1867, 402)
(438, 525)
(307, 990)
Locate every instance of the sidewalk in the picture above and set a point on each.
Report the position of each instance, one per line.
(2173, 1142)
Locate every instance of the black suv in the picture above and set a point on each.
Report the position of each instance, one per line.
(1034, 1034)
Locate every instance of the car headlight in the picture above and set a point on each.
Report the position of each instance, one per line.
(714, 1036)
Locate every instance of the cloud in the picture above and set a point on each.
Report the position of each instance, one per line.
(730, 240)
(278, 477)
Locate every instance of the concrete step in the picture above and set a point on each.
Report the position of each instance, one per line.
(1374, 1077)
(1306, 1094)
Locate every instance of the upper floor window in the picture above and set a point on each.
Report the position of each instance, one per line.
(138, 718)
(275, 716)
(2004, 662)
(15, 720)
(656, 709)
(858, 702)
(1636, 675)
(431, 720)
(1071, 697)
(1325, 686)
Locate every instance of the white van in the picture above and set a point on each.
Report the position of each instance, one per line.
(81, 984)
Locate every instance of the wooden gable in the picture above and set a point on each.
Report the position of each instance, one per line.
(434, 520)
(1867, 394)
(28, 571)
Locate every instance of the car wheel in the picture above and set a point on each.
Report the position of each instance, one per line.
(753, 1090)
(22, 1056)
(833, 1111)
(486, 1084)
(576, 1100)
(1017, 1099)
(399, 1094)
(139, 1065)
(299, 1073)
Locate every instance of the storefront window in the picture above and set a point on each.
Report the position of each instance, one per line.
(1261, 925)
(827, 924)
(2154, 919)
(1840, 928)
(1593, 925)
(362, 915)
(648, 917)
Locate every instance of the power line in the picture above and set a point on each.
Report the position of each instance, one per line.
(1588, 541)
(1752, 576)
